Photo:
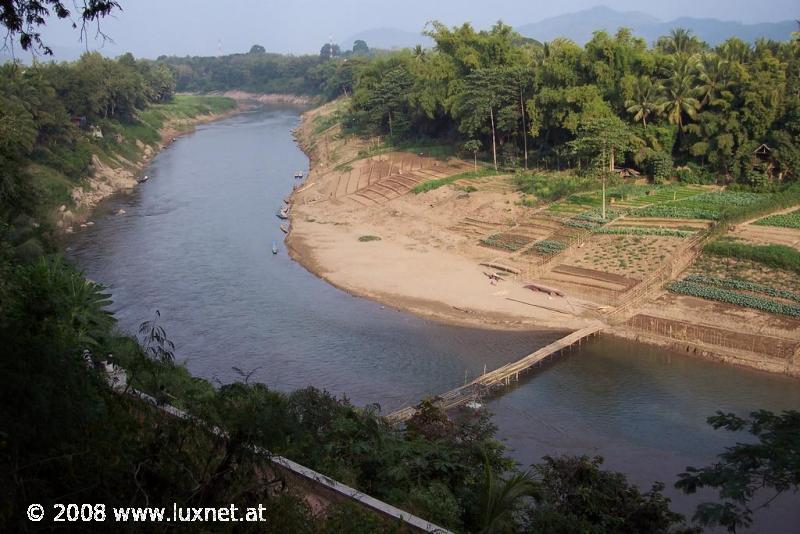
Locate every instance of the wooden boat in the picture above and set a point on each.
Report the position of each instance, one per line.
(285, 228)
(545, 289)
(283, 213)
(274, 248)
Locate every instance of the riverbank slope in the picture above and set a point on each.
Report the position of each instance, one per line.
(121, 151)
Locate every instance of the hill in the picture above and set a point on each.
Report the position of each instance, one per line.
(579, 27)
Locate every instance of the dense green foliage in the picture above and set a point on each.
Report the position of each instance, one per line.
(776, 256)
(255, 71)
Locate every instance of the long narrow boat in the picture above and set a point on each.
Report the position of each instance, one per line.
(283, 213)
(285, 228)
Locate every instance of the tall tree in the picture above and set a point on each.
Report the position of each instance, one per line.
(486, 96)
(602, 141)
(645, 101)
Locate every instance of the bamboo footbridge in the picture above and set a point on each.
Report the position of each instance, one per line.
(482, 385)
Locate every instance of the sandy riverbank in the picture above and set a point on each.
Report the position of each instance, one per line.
(418, 264)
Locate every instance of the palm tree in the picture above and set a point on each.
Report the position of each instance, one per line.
(679, 89)
(500, 499)
(713, 79)
(735, 50)
(680, 41)
(644, 101)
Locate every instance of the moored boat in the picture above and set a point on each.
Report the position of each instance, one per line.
(285, 228)
(274, 248)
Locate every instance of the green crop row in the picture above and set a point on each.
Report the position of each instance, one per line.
(743, 285)
(692, 289)
(784, 220)
(638, 230)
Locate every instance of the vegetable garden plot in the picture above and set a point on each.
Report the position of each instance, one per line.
(507, 242)
(783, 220)
(736, 298)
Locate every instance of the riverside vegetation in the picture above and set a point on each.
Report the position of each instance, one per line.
(65, 435)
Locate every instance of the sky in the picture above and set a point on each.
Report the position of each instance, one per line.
(150, 28)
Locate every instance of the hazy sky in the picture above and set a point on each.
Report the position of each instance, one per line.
(149, 28)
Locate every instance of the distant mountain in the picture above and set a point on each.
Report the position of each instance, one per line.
(387, 39)
(580, 26)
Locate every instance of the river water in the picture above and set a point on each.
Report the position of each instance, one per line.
(195, 243)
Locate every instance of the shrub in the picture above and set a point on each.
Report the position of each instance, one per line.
(552, 188)
(367, 238)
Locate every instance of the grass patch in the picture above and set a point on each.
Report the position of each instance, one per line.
(368, 238)
(775, 256)
(430, 185)
(52, 187)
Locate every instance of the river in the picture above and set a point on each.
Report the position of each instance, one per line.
(195, 241)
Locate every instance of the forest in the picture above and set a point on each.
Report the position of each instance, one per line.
(679, 108)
